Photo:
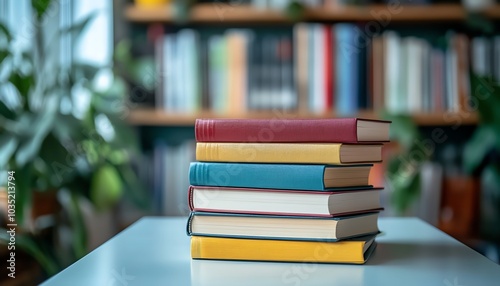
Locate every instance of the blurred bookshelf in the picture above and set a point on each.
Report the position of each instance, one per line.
(208, 13)
(416, 63)
(153, 117)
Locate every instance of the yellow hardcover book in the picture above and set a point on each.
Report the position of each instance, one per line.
(313, 153)
(355, 251)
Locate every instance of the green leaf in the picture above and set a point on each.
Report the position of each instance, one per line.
(79, 230)
(4, 31)
(106, 187)
(403, 130)
(28, 150)
(24, 187)
(3, 55)
(134, 189)
(85, 70)
(9, 145)
(295, 11)
(6, 112)
(403, 196)
(480, 23)
(142, 71)
(482, 142)
(23, 83)
(486, 95)
(40, 7)
(77, 28)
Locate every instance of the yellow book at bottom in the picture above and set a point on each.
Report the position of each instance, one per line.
(355, 251)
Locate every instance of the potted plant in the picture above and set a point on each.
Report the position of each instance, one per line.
(59, 153)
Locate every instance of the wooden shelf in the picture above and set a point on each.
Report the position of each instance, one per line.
(210, 13)
(151, 117)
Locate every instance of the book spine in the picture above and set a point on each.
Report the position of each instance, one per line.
(198, 174)
(275, 250)
(190, 198)
(301, 69)
(189, 229)
(234, 130)
(265, 176)
(328, 47)
(269, 153)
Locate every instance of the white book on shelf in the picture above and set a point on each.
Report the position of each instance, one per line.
(260, 4)
(179, 74)
(480, 47)
(159, 81)
(189, 96)
(319, 74)
(425, 73)
(451, 75)
(278, 4)
(392, 54)
(288, 95)
(414, 78)
(311, 67)
(169, 76)
(301, 61)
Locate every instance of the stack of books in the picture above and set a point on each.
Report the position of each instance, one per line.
(285, 190)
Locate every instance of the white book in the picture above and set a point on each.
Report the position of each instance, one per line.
(160, 75)
(426, 72)
(189, 98)
(479, 55)
(392, 51)
(179, 95)
(451, 76)
(169, 67)
(414, 78)
(319, 103)
(311, 67)
(278, 4)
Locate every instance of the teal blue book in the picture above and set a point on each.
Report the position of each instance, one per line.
(279, 176)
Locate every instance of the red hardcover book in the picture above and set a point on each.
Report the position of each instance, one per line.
(341, 202)
(338, 130)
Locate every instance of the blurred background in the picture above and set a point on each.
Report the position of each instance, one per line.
(98, 101)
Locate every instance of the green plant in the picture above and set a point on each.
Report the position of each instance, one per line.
(55, 143)
(403, 171)
(482, 151)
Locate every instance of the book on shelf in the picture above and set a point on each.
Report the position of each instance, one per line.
(284, 202)
(167, 177)
(354, 251)
(312, 153)
(281, 227)
(297, 69)
(339, 130)
(278, 176)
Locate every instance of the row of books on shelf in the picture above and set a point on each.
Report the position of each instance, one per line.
(284, 198)
(163, 171)
(283, 4)
(319, 68)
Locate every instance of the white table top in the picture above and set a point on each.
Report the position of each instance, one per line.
(155, 251)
